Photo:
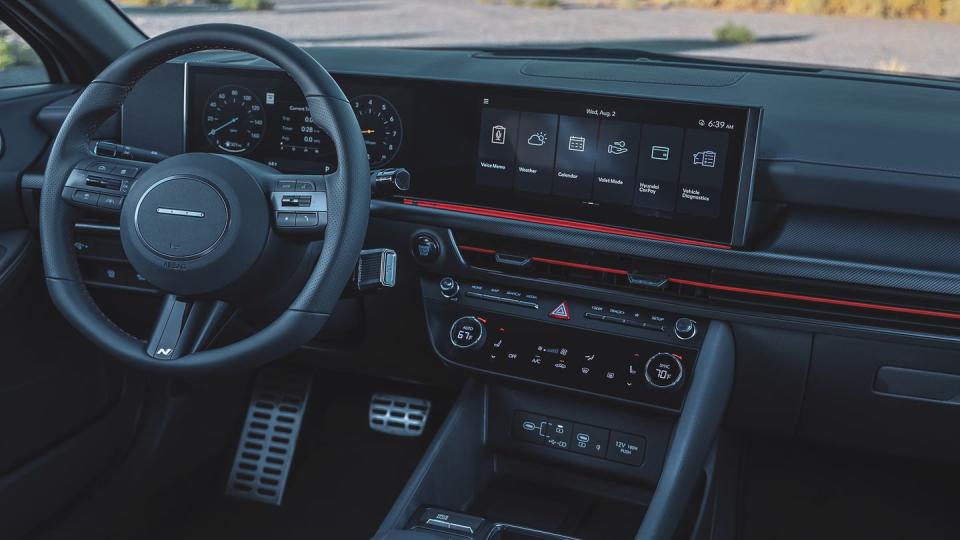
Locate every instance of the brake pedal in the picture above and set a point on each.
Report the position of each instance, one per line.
(398, 415)
(265, 452)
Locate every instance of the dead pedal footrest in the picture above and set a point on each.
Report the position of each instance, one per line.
(269, 437)
(398, 415)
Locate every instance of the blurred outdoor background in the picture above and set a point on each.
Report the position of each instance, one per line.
(899, 36)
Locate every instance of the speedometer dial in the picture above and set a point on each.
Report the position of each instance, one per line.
(381, 128)
(233, 119)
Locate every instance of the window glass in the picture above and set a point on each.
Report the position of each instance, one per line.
(891, 36)
(19, 64)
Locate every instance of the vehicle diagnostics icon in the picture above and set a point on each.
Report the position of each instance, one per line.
(707, 158)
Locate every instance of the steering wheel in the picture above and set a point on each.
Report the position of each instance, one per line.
(208, 230)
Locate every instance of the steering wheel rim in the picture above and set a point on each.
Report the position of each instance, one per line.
(347, 194)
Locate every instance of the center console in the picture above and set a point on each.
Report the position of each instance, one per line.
(514, 462)
(616, 351)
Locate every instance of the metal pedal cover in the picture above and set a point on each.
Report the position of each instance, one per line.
(265, 452)
(398, 415)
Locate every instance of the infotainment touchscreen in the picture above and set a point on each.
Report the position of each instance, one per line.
(680, 169)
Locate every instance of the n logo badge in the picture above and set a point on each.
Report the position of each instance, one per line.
(164, 352)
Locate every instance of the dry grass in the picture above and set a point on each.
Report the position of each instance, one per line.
(946, 10)
(892, 65)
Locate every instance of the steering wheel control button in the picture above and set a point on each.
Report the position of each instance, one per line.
(303, 185)
(126, 171)
(449, 288)
(101, 167)
(182, 217)
(468, 333)
(307, 219)
(87, 198)
(685, 328)
(589, 440)
(426, 248)
(110, 202)
(627, 448)
(286, 185)
(286, 220)
(663, 370)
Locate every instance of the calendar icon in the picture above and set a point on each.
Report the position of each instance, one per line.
(577, 144)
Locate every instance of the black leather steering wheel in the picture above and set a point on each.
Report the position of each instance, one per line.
(203, 228)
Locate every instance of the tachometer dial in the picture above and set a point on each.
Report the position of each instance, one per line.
(381, 128)
(233, 119)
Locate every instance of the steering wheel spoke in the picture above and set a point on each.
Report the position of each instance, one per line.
(186, 325)
(101, 184)
(298, 203)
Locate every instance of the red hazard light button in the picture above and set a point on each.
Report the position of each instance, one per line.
(561, 312)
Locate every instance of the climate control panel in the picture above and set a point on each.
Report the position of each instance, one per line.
(561, 342)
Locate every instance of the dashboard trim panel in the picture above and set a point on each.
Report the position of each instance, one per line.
(558, 222)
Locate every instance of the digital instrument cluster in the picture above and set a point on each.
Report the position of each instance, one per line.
(261, 114)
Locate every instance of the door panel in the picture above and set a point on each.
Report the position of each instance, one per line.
(56, 390)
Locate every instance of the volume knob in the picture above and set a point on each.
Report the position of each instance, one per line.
(449, 287)
(685, 328)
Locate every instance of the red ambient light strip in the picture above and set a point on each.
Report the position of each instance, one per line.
(818, 299)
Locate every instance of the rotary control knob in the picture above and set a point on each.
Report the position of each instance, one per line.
(664, 370)
(449, 287)
(468, 333)
(685, 328)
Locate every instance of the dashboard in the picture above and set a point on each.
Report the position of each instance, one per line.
(832, 253)
(666, 167)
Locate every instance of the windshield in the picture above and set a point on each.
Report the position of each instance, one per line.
(897, 36)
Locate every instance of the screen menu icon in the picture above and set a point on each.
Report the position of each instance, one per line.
(701, 174)
(658, 170)
(616, 165)
(496, 155)
(576, 156)
(536, 152)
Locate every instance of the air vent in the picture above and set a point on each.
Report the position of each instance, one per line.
(559, 263)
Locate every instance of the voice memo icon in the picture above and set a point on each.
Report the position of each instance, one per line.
(498, 135)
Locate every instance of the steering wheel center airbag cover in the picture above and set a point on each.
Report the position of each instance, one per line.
(198, 224)
(181, 217)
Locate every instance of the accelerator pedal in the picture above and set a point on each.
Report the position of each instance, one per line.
(265, 452)
(398, 415)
